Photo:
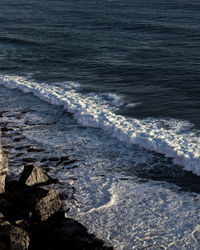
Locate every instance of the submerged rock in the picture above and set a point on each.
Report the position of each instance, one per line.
(35, 149)
(44, 159)
(29, 160)
(22, 147)
(53, 159)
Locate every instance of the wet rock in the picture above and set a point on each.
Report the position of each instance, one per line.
(35, 150)
(64, 158)
(12, 162)
(22, 147)
(44, 159)
(48, 205)
(6, 129)
(17, 139)
(8, 146)
(53, 159)
(19, 154)
(12, 237)
(69, 162)
(29, 159)
(33, 175)
(76, 166)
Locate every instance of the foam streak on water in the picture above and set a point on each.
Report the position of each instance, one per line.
(89, 111)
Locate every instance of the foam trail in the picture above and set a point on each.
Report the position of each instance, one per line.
(182, 147)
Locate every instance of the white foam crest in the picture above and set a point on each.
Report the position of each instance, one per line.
(112, 98)
(133, 105)
(149, 133)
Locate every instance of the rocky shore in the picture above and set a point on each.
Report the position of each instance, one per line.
(32, 216)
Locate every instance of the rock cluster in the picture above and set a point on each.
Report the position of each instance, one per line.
(32, 218)
(23, 206)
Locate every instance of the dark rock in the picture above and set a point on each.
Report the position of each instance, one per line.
(33, 175)
(35, 150)
(64, 158)
(16, 202)
(12, 237)
(29, 159)
(5, 205)
(19, 154)
(22, 147)
(53, 159)
(29, 203)
(68, 162)
(48, 205)
(17, 139)
(6, 151)
(13, 162)
(8, 146)
(76, 166)
(5, 129)
(43, 159)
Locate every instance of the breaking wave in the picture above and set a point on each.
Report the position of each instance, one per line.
(169, 137)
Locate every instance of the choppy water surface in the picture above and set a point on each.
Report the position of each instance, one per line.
(113, 88)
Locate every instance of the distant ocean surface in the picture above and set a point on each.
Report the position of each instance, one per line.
(121, 80)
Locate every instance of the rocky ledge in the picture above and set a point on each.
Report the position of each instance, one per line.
(32, 217)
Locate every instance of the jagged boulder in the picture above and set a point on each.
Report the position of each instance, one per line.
(47, 204)
(13, 237)
(31, 203)
(33, 175)
(3, 169)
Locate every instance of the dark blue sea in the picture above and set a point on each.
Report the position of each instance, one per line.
(115, 85)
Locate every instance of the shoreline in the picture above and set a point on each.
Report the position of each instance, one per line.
(25, 229)
(22, 150)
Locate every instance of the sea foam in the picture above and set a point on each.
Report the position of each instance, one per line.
(93, 110)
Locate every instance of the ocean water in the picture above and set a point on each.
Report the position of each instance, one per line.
(114, 85)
